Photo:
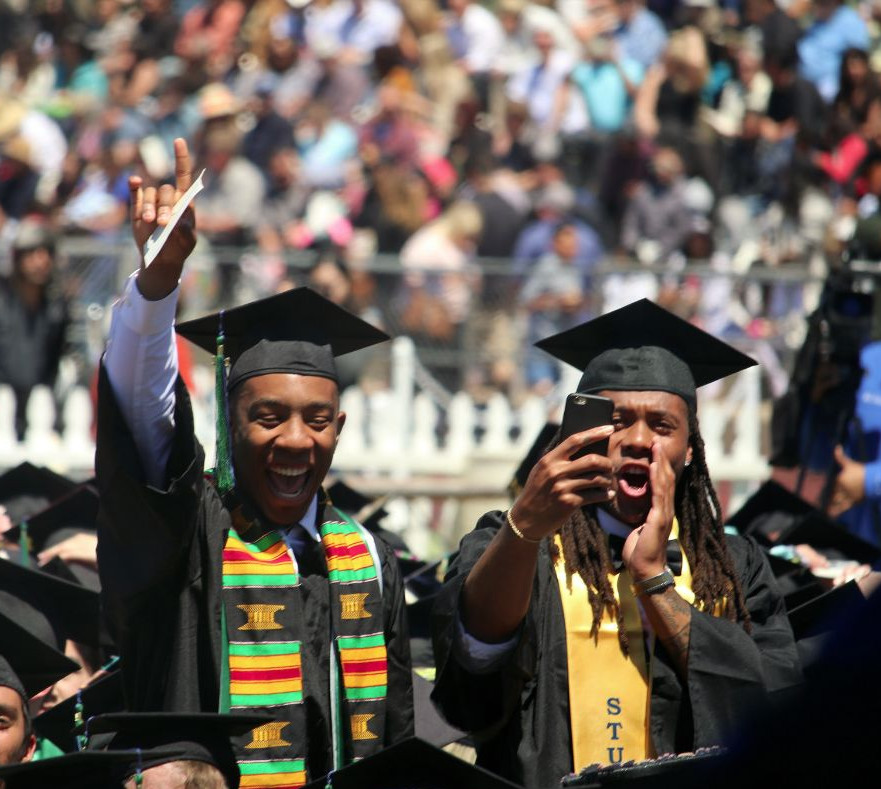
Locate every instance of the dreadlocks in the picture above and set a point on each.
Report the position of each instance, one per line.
(701, 537)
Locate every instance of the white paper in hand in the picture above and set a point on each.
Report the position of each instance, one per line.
(159, 236)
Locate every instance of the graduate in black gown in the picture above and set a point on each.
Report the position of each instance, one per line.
(243, 590)
(605, 616)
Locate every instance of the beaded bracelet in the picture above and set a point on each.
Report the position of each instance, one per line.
(517, 531)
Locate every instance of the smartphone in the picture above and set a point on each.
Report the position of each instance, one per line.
(582, 412)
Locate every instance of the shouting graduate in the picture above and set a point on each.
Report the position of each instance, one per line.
(606, 616)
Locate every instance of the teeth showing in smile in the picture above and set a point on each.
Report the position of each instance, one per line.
(289, 472)
(288, 480)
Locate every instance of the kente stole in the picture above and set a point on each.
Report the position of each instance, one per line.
(263, 610)
(610, 692)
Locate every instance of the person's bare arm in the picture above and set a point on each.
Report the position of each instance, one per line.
(497, 591)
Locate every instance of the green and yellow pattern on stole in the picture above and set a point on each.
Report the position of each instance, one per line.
(264, 614)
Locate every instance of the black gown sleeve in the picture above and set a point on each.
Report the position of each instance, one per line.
(399, 709)
(159, 558)
(730, 671)
(479, 703)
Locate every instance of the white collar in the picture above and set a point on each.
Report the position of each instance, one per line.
(308, 520)
(611, 525)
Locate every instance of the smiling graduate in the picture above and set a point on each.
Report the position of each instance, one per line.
(606, 616)
(244, 588)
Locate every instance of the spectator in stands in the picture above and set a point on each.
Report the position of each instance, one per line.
(18, 180)
(34, 317)
(657, 221)
(476, 38)
(640, 35)
(325, 144)
(81, 81)
(271, 131)
(837, 27)
(552, 112)
(668, 102)
(554, 206)
(206, 39)
(438, 285)
(554, 297)
(779, 31)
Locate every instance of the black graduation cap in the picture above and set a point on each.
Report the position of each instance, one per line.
(58, 724)
(27, 489)
(367, 511)
(534, 453)
(79, 770)
(297, 331)
(776, 516)
(76, 510)
(27, 647)
(73, 610)
(643, 347)
(198, 736)
(814, 622)
(429, 725)
(412, 764)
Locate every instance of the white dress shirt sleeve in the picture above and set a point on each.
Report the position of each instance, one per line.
(141, 363)
(476, 656)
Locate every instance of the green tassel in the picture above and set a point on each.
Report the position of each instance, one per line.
(24, 544)
(224, 478)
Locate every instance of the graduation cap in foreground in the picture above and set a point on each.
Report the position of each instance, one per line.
(534, 453)
(201, 736)
(28, 657)
(429, 725)
(777, 516)
(60, 723)
(27, 489)
(412, 764)
(79, 770)
(297, 331)
(367, 511)
(814, 622)
(643, 347)
(73, 610)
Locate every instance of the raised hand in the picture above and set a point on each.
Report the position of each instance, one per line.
(645, 549)
(557, 486)
(151, 208)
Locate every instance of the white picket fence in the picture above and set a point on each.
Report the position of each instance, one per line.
(393, 435)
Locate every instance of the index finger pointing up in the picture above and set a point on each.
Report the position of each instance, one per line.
(182, 175)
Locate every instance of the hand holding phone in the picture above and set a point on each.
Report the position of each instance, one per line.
(583, 412)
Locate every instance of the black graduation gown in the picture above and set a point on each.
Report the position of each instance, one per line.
(519, 713)
(160, 556)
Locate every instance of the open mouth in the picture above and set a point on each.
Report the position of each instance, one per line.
(633, 480)
(289, 482)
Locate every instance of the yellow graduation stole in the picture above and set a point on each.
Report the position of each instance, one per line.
(610, 692)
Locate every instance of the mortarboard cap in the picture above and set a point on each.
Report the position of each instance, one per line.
(429, 725)
(76, 510)
(534, 453)
(297, 332)
(27, 489)
(769, 511)
(31, 656)
(776, 516)
(200, 736)
(9, 679)
(814, 622)
(72, 609)
(367, 511)
(80, 770)
(58, 724)
(412, 764)
(643, 347)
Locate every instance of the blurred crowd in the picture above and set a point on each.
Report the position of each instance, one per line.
(498, 151)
